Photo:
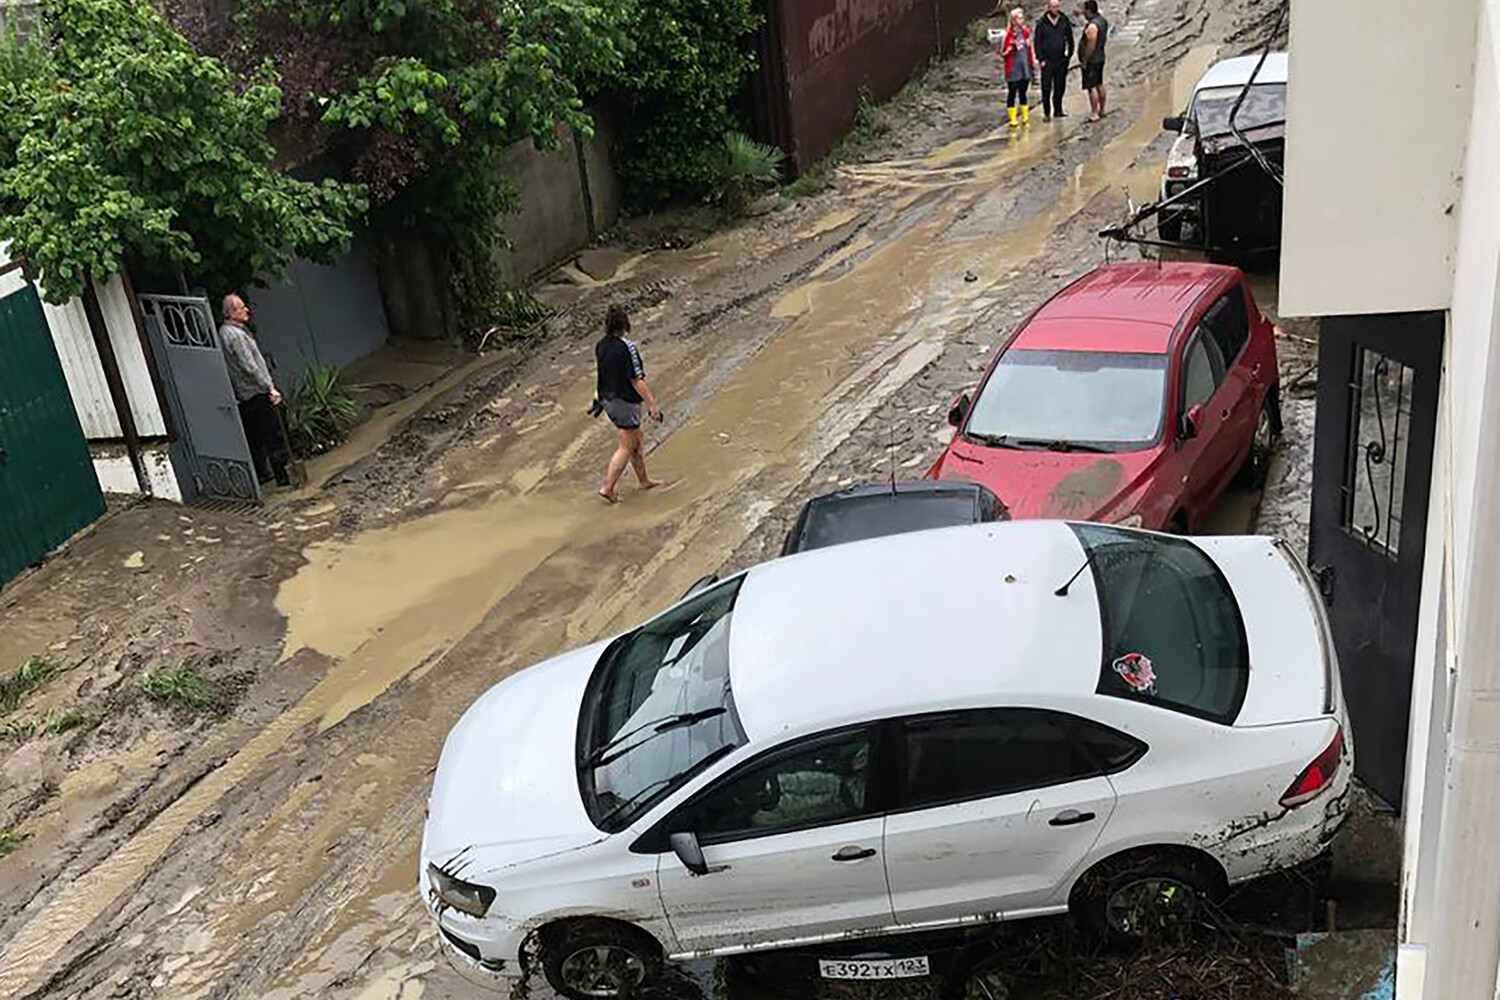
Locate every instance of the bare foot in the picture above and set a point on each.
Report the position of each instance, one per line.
(610, 498)
(651, 484)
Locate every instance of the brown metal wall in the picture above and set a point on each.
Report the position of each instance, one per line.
(817, 55)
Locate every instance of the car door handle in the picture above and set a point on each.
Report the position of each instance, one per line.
(854, 853)
(1070, 817)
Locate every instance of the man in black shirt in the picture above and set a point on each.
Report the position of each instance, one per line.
(1053, 39)
(621, 390)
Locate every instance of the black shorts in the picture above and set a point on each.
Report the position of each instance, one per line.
(1093, 76)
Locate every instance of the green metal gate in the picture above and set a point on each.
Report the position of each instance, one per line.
(48, 489)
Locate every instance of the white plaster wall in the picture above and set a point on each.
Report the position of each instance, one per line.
(80, 360)
(116, 475)
(1474, 323)
(1377, 113)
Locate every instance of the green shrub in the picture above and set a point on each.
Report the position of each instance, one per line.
(182, 688)
(320, 410)
(749, 167)
(31, 674)
(10, 839)
(51, 724)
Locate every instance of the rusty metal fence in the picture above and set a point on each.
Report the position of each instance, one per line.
(817, 56)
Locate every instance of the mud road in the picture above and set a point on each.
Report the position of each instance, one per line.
(273, 853)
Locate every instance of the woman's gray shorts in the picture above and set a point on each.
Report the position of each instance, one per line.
(626, 416)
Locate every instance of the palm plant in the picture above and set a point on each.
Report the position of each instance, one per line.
(749, 166)
(320, 409)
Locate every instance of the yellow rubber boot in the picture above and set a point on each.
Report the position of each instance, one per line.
(1012, 112)
(1025, 114)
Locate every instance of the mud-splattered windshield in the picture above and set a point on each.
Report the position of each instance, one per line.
(1033, 398)
(1264, 105)
(1173, 636)
(658, 709)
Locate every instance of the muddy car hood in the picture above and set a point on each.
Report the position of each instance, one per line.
(1074, 486)
(1288, 675)
(506, 787)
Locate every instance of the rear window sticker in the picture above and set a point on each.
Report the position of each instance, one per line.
(1136, 671)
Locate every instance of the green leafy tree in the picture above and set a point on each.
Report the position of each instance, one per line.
(420, 98)
(120, 142)
(686, 63)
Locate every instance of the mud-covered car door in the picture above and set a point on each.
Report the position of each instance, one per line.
(793, 846)
(997, 809)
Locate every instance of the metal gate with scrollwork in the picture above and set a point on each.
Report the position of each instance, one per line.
(211, 440)
(1379, 379)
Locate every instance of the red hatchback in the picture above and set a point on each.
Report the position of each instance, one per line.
(1133, 396)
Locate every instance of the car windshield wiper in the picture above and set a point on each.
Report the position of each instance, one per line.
(1076, 446)
(708, 759)
(601, 755)
(1000, 441)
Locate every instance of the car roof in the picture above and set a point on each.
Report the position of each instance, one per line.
(926, 487)
(1126, 307)
(1236, 72)
(910, 623)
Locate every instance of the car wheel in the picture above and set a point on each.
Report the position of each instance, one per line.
(599, 960)
(1142, 897)
(1258, 461)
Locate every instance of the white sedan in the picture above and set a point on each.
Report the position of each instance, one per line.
(917, 732)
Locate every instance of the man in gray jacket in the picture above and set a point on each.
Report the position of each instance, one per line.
(256, 392)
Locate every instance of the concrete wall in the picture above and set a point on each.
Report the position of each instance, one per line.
(329, 315)
(1374, 158)
(551, 222)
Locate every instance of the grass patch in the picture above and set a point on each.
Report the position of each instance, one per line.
(183, 688)
(30, 675)
(51, 724)
(10, 839)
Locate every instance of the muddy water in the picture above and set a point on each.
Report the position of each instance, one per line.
(387, 603)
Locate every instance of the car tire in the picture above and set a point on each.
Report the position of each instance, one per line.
(1257, 465)
(599, 960)
(1143, 896)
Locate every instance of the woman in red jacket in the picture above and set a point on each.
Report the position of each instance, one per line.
(1020, 67)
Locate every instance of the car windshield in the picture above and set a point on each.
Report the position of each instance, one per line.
(1105, 400)
(853, 519)
(1265, 104)
(658, 709)
(1172, 631)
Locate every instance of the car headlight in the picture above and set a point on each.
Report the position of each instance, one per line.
(467, 897)
(1129, 521)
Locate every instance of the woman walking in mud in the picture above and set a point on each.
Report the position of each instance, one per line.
(621, 390)
(1020, 67)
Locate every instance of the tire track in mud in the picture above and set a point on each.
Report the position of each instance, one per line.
(711, 518)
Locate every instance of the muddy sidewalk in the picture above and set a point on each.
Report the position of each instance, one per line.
(264, 844)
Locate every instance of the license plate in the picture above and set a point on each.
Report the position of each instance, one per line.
(874, 968)
(997, 34)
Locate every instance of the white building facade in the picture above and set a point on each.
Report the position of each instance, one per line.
(1392, 230)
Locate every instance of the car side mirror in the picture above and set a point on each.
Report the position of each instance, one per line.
(1188, 426)
(1173, 124)
(685, 845)
(959, 411)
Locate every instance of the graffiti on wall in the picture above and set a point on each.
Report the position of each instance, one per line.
(850, 19)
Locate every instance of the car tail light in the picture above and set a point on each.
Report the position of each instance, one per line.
(1318, 775)
(1177, 173)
